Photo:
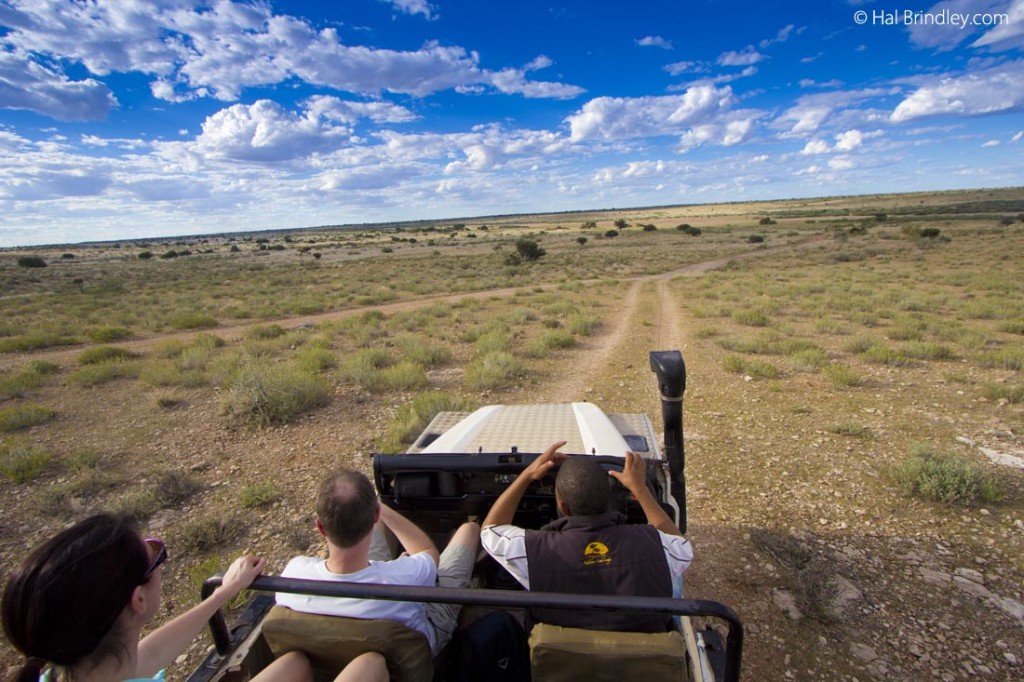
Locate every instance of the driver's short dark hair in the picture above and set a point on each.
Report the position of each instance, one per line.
(583, 486)
(346, 505)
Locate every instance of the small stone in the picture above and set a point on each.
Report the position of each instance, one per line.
(863, 652)
(1010, 658)
(937, 577)
(970, 574)
(785, 601)
(180, 660)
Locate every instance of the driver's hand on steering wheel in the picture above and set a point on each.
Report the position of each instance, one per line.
(540, 467)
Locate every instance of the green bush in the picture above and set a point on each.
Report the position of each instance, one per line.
(1011, 357)
(810, 360)
(493, 370)
(928, 350)
(883, 355)
(108, 333)
(841, 376)
(559, 339)
(583, 325)
(208, 533)
(193, 320)
(18, 383)
(493, 342)
(23, 417)
(265, 394)
(945, 477)
(101, 373)
(262, 332)
(1011, 394)
(137, 505)
(174, 487)
(31, 262)
(412, 417)
(20, 462)
(315, 360)
(758, 369)
(259, 495)
(98, 354)
(751, 318)
(850, 429)
(27, 342)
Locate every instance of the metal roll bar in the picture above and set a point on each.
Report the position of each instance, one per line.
(500, 598)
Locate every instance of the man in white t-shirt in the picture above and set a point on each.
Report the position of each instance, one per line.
(352, 521)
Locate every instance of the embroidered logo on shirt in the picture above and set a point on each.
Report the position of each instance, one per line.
(596, 554)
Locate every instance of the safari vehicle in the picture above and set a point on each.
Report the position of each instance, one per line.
(458, 467)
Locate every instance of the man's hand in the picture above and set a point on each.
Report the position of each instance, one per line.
(540, 467)
(634, 479)
(633, 476)
(504, 508)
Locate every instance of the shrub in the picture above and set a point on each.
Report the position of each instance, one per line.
(273, 394)
(650, 228)
(492, 371)
(316, 360)
(841, 376)
(263, 332)
(581, 240)
(31, 262)
(93, 356)
(23, 417)
(559, 339)
(927, 350)
(174, 487)
(752, 318)
(945, 477)
(193, 320)
(20, 462)
(1011, 394)
(611, 234)
(416, 350)
(621, 224)
(137, 506)
(583, 325)
(102, 372)
(19, 344)
(1011, 358)
(403, 376)
(145, 255)
(528, 249)
(755, 239)
(766, 221)
(82, 460)
(17, 383)
(412, 417)
(208, 533)
(493, 342)
(883, 355)
(859, 344)
(108, 333)
(758, 369)
(259, 495)
(850, 429)
(809, 360)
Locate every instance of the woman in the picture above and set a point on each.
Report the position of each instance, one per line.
(80, 600)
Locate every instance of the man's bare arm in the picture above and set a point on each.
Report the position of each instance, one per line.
(504, 508)
(634, 478)
(412, 537)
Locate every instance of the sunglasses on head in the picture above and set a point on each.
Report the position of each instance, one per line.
(160, 556)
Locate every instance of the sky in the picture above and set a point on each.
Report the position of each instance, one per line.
(132, 119)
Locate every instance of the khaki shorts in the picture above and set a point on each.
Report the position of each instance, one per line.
(454, 570)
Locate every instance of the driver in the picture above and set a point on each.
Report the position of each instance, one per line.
(590, 550)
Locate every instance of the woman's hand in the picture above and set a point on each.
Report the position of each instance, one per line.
(241, 573)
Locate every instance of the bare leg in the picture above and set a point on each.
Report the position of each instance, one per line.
(369, 667)
(293, 666)
(455, 570)
(467, 535)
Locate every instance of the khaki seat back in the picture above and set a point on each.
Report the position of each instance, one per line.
(330, 642)
(559, 654)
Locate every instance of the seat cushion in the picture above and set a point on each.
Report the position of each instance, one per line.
(330, 642)
(560, 654)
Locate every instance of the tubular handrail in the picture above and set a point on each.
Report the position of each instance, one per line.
(500, 598)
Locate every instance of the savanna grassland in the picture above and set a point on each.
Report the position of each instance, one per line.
(851, 362)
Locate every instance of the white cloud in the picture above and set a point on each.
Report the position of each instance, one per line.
(1017, 137)
(620, 118)
(946, 36)
(840, 163)
(655, 41)
(812, 58)
(541, 61)
(266, 132)
(990, 143)
(809, 83)
(780, 37)
(849, 140)
(27, 85)
(991, 90)
(414, 7)
(815, 146)
(811, 111)
(220, 49)
(677, 68)
(1008, 35)
(745, 57)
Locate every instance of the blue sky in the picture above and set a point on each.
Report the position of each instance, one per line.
(124, 119)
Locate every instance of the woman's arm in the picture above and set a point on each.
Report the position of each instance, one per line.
(158, 649)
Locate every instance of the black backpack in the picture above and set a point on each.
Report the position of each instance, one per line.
(492, 648)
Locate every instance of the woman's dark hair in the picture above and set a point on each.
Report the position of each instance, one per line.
(64, 600)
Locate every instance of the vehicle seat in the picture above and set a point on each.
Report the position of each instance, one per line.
(331, 642)
(559, 654)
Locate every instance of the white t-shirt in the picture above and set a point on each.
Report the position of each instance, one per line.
(507, 544)
(416, 570)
